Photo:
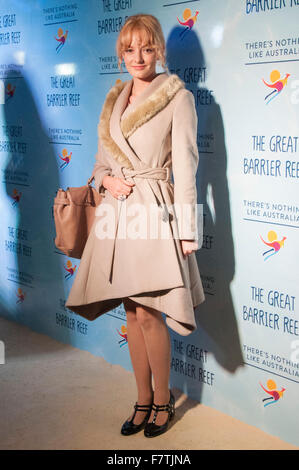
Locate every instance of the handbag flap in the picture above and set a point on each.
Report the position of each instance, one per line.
(84, 195)
(80, 196)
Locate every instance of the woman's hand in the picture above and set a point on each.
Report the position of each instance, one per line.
(188, 246)
(117, 186)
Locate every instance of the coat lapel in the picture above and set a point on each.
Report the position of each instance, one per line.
(104, 128)
(115, 128)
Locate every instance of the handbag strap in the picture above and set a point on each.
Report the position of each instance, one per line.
(89, 181)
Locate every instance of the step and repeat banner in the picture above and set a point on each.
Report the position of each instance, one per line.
(240, 59)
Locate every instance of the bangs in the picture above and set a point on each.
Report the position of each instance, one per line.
(146, 37)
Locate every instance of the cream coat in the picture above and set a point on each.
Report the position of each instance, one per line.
(146, 142)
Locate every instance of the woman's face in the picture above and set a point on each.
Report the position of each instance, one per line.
(140, 59)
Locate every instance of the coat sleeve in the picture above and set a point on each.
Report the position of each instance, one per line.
(101, 167)
(184, 165)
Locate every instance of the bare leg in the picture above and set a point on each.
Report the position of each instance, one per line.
(139, 359)
(158, 346)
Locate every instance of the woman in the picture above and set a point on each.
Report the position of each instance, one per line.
(148, 127)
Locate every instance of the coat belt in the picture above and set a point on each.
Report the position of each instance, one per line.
(159, 173)
(162, 173)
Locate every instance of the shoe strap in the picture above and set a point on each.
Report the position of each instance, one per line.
(161, 407)
(168, 407)
(142, 407)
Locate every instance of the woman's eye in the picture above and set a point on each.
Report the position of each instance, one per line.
(148, 50)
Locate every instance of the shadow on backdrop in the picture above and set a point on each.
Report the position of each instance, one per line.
(216, 316)
(31, 179)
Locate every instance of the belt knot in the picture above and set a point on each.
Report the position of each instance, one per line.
(159, 173)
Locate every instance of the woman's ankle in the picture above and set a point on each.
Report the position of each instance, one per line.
(145, 398)
(161, 397)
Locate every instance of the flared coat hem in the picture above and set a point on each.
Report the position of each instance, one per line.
(178, 298)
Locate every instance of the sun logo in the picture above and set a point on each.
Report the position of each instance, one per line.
(188, 21)
(273, 243)
(277, 83)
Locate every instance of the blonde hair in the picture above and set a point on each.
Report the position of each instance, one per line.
(149, 28)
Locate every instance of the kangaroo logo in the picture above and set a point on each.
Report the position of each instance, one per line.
(20, 296)
(188, 21)
(70, 269)
(66, 158)
(123, 334)
(9, 91)
(275, 394)
(275, 244)
(61, 39)
(16, 196)
(277, 83)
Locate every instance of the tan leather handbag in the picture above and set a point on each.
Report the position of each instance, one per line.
(74, 212)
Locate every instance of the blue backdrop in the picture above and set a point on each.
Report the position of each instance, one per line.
(240, 60)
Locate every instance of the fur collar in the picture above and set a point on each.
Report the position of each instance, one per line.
(145, 111)
(152, 105)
